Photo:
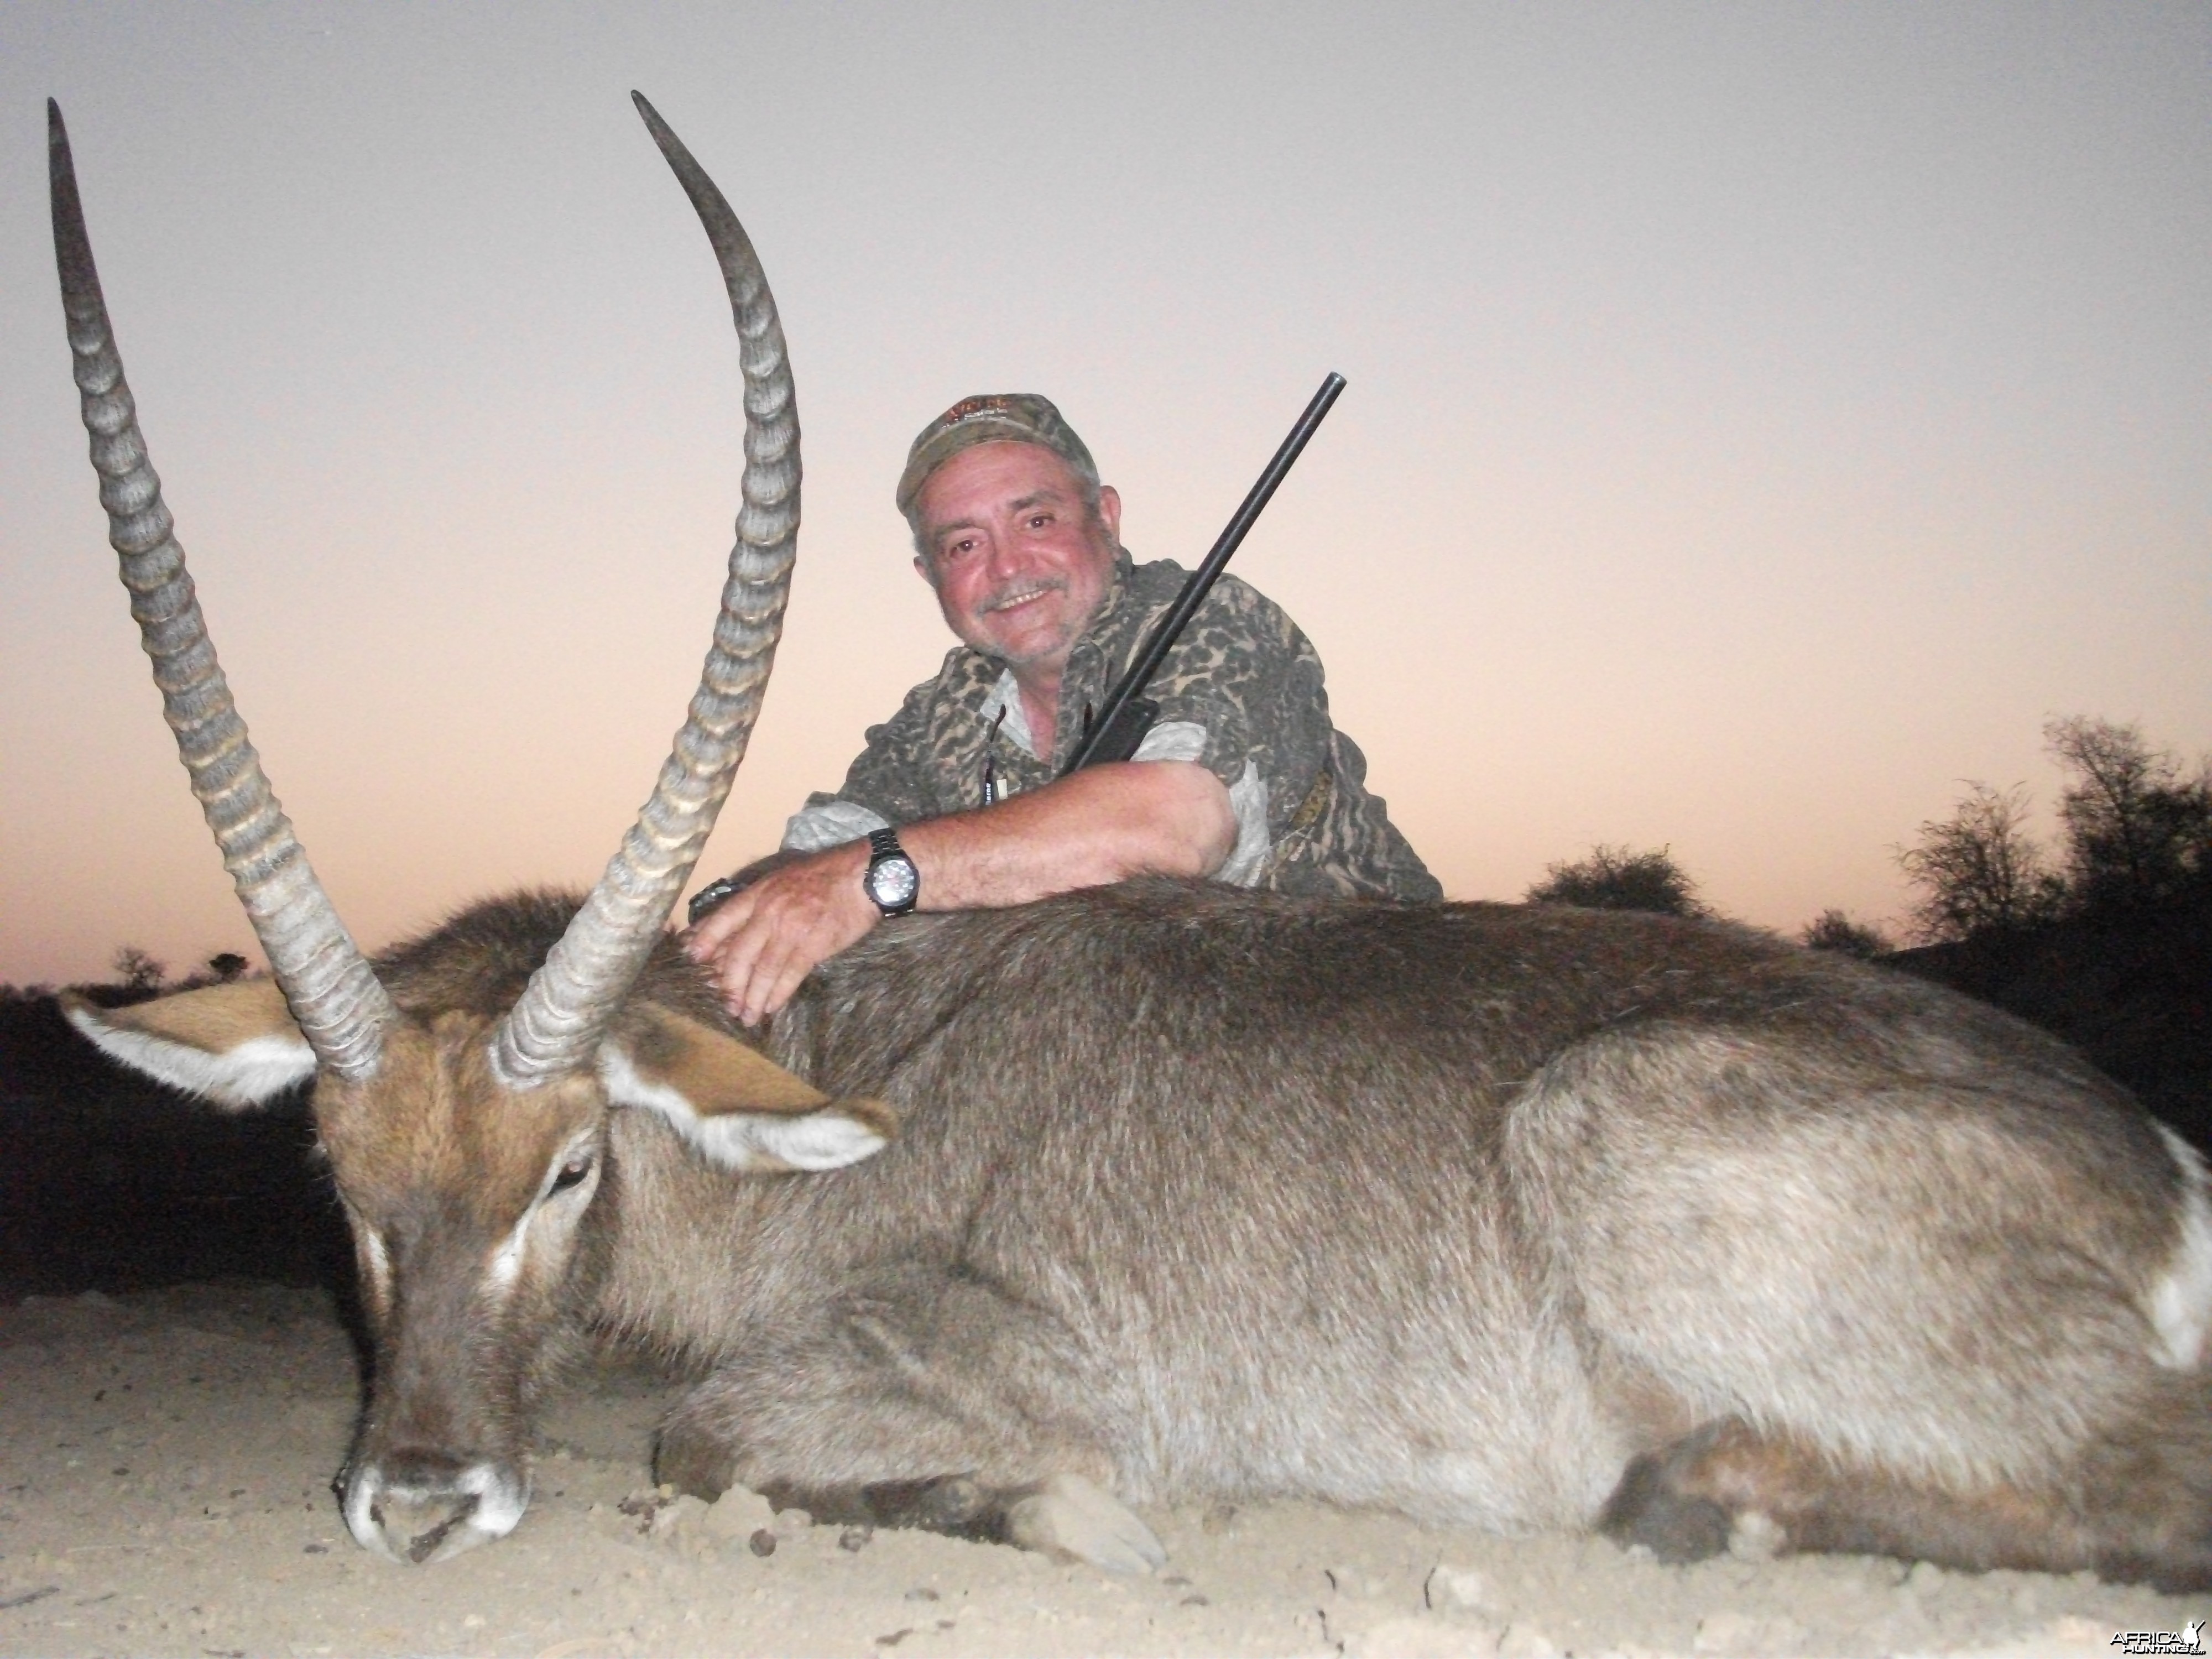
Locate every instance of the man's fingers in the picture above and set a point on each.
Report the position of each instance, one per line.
(730, 977)
(752, 1004)
(728, 961)
(706, 940)
(761, 943)
(784, 985)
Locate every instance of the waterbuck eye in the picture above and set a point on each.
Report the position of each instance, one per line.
(571, 1173)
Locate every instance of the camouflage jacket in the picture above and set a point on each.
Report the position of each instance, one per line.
(1241, 694)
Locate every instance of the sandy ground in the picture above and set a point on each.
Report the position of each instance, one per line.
(165, 1469)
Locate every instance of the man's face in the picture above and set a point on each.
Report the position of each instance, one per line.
(1019, 566)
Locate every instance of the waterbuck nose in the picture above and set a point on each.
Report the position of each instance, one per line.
(419, 1526)
(427, 1506)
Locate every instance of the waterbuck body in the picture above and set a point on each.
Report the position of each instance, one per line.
(1502, 1216)
(1507, 1217)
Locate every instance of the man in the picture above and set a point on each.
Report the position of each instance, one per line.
(956, 804)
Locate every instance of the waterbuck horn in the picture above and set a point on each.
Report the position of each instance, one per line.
(556, 1026)
(341, 1009)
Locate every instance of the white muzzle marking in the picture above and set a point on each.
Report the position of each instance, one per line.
(484, 1503)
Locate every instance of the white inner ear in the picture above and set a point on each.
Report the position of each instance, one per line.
(253, 1073)
(827, 1140)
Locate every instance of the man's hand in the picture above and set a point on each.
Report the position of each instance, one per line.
(757, 945)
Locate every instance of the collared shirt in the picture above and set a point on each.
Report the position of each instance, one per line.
(1241, 694)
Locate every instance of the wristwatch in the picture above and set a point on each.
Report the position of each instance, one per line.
(891, 883)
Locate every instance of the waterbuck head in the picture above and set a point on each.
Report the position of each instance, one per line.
(463, 1094)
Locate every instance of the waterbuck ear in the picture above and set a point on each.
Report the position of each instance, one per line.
(234, 1044)
(739, 1107)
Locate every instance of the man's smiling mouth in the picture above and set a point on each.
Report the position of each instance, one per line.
(1021, 596)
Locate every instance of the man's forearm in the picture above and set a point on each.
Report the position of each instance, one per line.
(1104, 824)
(1140, 817)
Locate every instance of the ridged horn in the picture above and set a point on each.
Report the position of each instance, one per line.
(556, 1027)
(341, 1008)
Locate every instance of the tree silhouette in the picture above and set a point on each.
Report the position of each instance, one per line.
(1979, 871)
(137, 969)
(2138, 832)
(1614, 879)
(227, 965)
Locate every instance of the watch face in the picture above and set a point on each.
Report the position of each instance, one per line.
(892, 882)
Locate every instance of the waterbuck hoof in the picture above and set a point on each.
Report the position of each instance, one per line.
(697, 1465)
(1069, 1517)
(2187, 1573)
(955, 1504)
(1646, 1508)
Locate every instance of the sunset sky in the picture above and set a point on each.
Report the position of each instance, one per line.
(1760, 419)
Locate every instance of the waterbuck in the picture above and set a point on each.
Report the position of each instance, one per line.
(1509, 1217)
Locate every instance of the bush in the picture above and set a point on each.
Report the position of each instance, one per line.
(1614, 879)
(1831, 930)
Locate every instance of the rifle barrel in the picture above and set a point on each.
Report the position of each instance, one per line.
(1164, 635)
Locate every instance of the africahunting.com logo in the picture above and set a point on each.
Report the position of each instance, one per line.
(2190, 1638)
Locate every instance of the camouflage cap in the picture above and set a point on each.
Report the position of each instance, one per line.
(1021, 417)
